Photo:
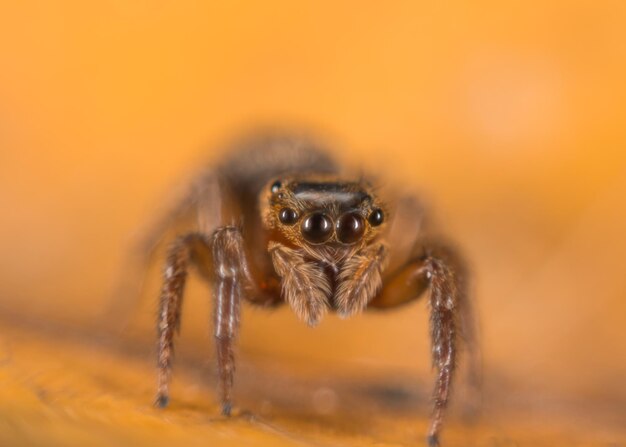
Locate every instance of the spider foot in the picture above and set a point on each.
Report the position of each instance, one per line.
(226, 408)
(433, 441)
(161, 401)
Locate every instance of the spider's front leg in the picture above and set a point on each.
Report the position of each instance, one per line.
(174, 278)
(230, 277)
(439, 269)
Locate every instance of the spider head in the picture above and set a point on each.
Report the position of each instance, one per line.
(314, 211)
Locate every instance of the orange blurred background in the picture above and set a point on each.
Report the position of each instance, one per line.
(509, 117)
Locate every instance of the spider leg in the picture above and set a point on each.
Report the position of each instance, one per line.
(198, 202)
(174, 278)
(231, 278)
(438, 268)
(231, 281)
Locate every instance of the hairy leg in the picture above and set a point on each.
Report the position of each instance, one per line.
(198, 203)
(231, 279)
(231, 283)
(438, 268)
(174, 277)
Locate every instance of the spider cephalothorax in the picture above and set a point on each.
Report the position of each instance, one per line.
(322, 243)
(322, 210)
(282, 224)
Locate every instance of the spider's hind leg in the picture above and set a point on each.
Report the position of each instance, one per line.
(170, 304)
(181, 211)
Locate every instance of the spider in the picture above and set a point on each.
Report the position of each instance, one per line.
(279, 222)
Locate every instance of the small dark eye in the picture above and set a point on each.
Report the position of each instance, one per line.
(350, 228)
(276, 186)
(376, 218)
(317, 228)
(288, 216)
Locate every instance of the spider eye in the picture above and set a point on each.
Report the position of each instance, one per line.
(276, 186)
(317, 228)
(350, 228)
(376, 218)
(288, 216)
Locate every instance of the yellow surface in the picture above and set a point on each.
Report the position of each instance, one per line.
(70, 393)
(507, 116)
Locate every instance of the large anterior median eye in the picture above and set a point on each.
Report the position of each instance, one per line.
(317, 228)
(350, 228)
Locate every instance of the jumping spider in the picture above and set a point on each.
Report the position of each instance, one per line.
(277, 222)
